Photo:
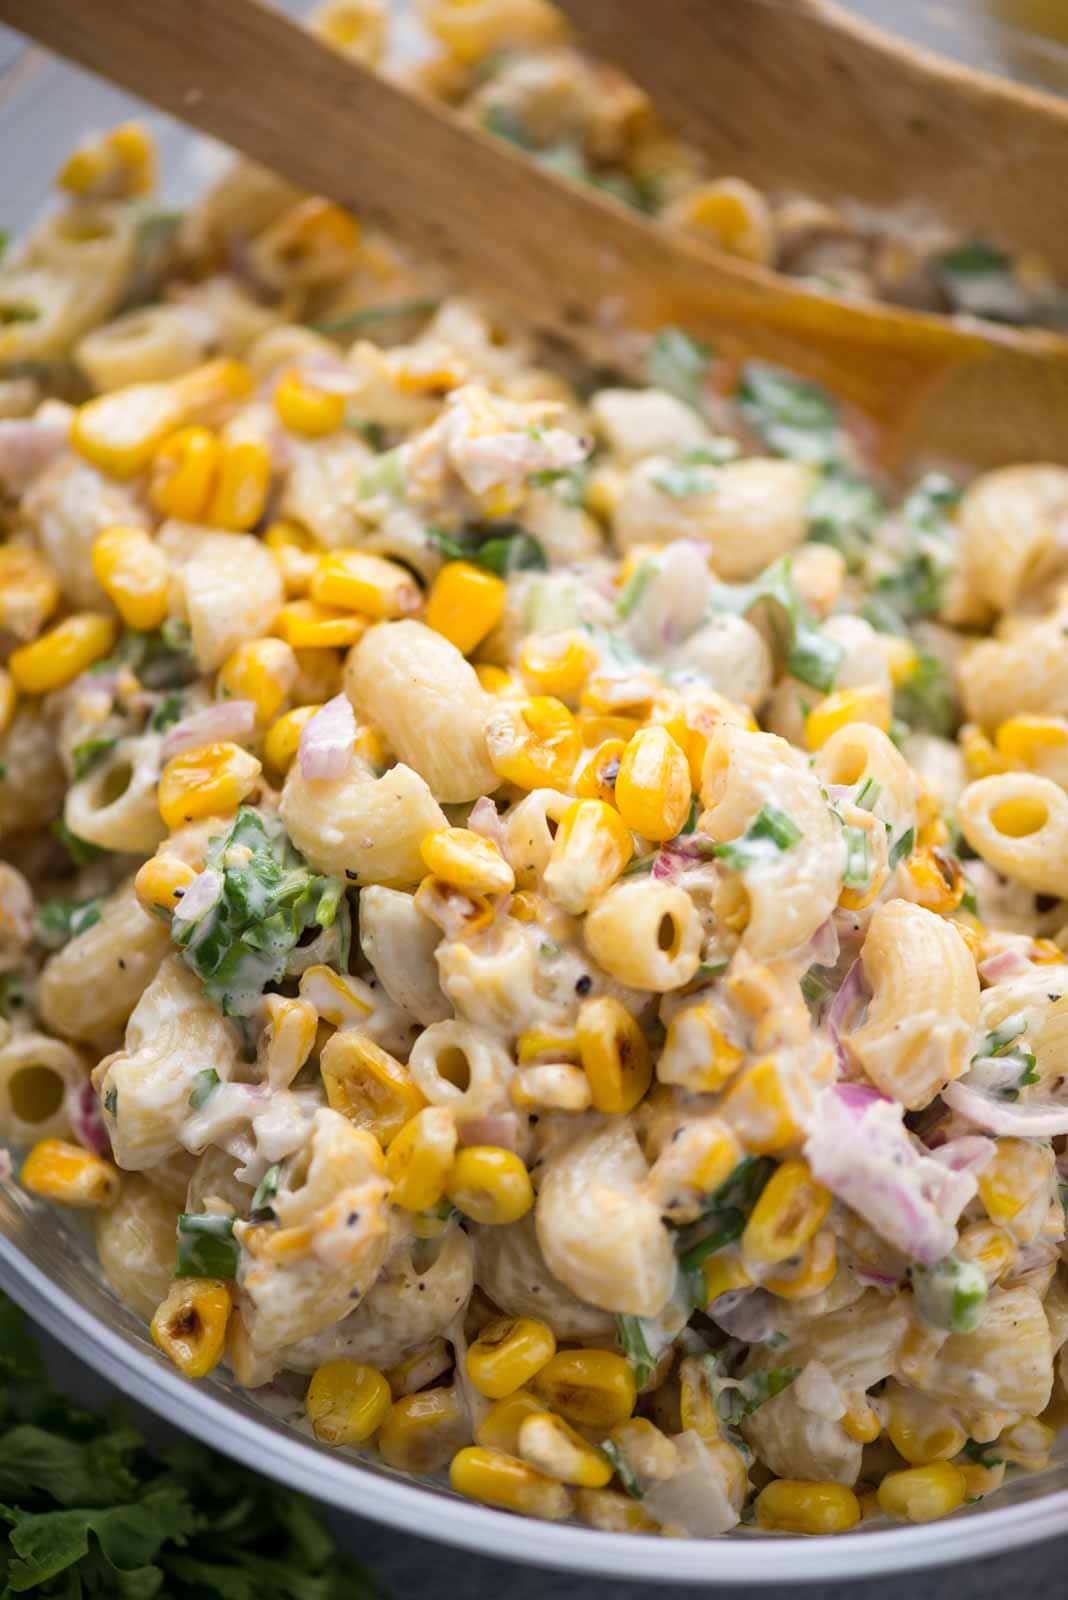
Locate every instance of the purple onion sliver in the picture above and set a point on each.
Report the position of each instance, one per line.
(325, 748)
(229, 720)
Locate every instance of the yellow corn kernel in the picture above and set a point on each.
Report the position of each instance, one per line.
(371, 585)
(490, 1185)
(346, 1401)
(263, 671)
(184, 469)
(596, 778)
(546, 1044)
(89, 170)
(134, 574)
(468, 861)
(791, 1208)
(421, 1431)
(505, 1481)
(614, 1054)
(595, 729)
(556, 663)
(136, 150)
(653, 790)
(420, 1158)
(811, 1275)
(900, 656)
(922, 1494)
(921, 1430)
(980, 757)
(989, 1247)
(790, 1505)
(465, 604)
(355, 27)
(507, 1354)
(499, 1428)
(189, 1325)
(121, 165)
(691, 1165)
(551, 1086)
(452, 909)
(63, 653)
(306, 408)
(838, 710)
(648, 1451)
(309, 626)
(1009, 1182)
(592, 846)
(552, 1446)
(1024, 740)
(1026, 1443)
(758, 1107)
(1043, 952)
(367, 1085)
(416, 1371)
(121, 431)
(697, 1403)
(283, 737)
(296, 552)
(936, 881)
(8, 698)
(161, 882)
(724, 1272)
(497, 680)
(213, 388)
(29, 591)
(57, 1170)
(209, 781)
(594, 1388)
(980, 1480)
(696, 1055)
(533, 743)
(860, 1420)
(241, 487)
(612, 1512)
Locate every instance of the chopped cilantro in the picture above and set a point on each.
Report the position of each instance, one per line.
(925, 700)
(170, 710)
(206, 1246)
(738, 1398)
(679, 365)
(723, 1218)
(501, 548)
(788, 414)
(86, 755)
(844, 511)
(631, 593)
(982, 1454)
(770, 832)
(80, 851)
(59, 921)
(810, 656)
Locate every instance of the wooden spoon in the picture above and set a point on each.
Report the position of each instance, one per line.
(560, 256)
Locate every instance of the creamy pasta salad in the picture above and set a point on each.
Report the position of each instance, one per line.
(532, 910)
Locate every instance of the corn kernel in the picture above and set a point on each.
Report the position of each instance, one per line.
(507, 1354)
(208, 781)
(791, 1208)
(697, 1404)
(420, 1158)
(1026, 1443)
(465, 604)
(308, 626)
(367, 1085)
(121, 431)
(596, 777)
(189, 1325)
(980, 1480)
(241, 486)
(65, 1172)
(1024, 740)
(533, 743)
(8, 699)
(980, 757)
(1009, 1182)
(305, 408)
(691, 1166)
(860, 1420)
(421, 1432)
(134, 574)
(369, 584)
(757, 1106)
(263, 671)
(551, 1086)
(29, 591)
(935, 880)
(63, 653)
(921, 1430)
(296, 552)
(209, 390)
(593, 1388)
(790, 1505)
(283, 737)
(844, 706)
(346, 1401)
(500, 1480)
(614, 1053)
(161, 882)
(416, 1371)
(811, 1275)
(556, 663)
(991, 1248)
(497, 680)
(612, 1512)
(652, 788)
(490, 1185)
(697, 1055)
(553, 1447)
(499, 1428)
(900, 656)
(723, 1273)
(119, 166)
(595, 729)
(184, 470)
(922, 1494)
(467, 861)
(592, 846)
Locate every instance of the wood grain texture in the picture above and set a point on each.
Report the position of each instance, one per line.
(560, 256)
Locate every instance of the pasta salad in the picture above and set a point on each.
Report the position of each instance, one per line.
(531, 904)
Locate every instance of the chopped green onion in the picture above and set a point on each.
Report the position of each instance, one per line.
(999, 1038)
(789, 415)
(681, 481)
(623, 1470)
(59, 921)
(770, 832)
(636, 1350)
(262, 1201)
(844, 512)
(901, 847)
(87, 754)
(868, 794)
(206, 1246)
(951, 1294)
(204, 1084)
(737, 1399)
(858, 859)
(631, 593)
(80, 851)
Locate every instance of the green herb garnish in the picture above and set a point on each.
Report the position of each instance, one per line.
(679, 365)
(204, 1085)
(788, 414)
(91, 751)
(81, 852)
(951, 1294)
(59, 921)
(901, 847)
(501, 548)
(371, 316)
(770, 832)
(262, 1209)
(844, 512)
(206, 1246)
(858, 859)
(680, 480)
(628, 1478)
(635, 1348)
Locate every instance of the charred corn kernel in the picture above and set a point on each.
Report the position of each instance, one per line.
(306, 408)
(499, 1428)
(860, 1420)
(7, 699)
(556, 663)
(65, 1172)
(989, 1247)
(612, 1512)
(921, 1430)
(184, 469)
(241, 486)
(467, 861)
(120, 432)
(1010, 1181)
(980, 1480)
(533, 743)
(283, 737)
(653, 790)
(697, 1404)
(367, 1085)
(455, 911)
(723, 1273)
(346, 1401)
(811, 1275)
(594, 1388)
(935, 880)
(758, 1107)
(922, 1494)
(296, 552)
(1025, 740)
(596, 778)
(209, 781)
(592, 846)
(263, 671)
(29, 591)
(420, 1432)
(507, 1354)
(614, 1054)
(161, 882)
(63, 653)
(1026, 1443)
(791, 1208)
(420, 1158)
(505, 1481)
(980, 756)
(465, 604)
(308, 626)
(134, 574)
(691, 1165)
(838, 710)
(790, 1505)
(357, 581)
(552, 1446)
(696, 1054)
(551, 1086)
(490, 1185)
(190, 1324)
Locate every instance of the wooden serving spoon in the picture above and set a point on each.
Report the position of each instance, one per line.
(560, 256)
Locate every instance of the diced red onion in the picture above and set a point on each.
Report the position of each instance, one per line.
(1006, 964)
(484, 818)
(201, 895)
(970, 1153)
(86, 1120)
(850, 997)
(1021, 1119)
(746, 1314)
(230, 719)
(326, 741)
(28, 444)
(501, 1130)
